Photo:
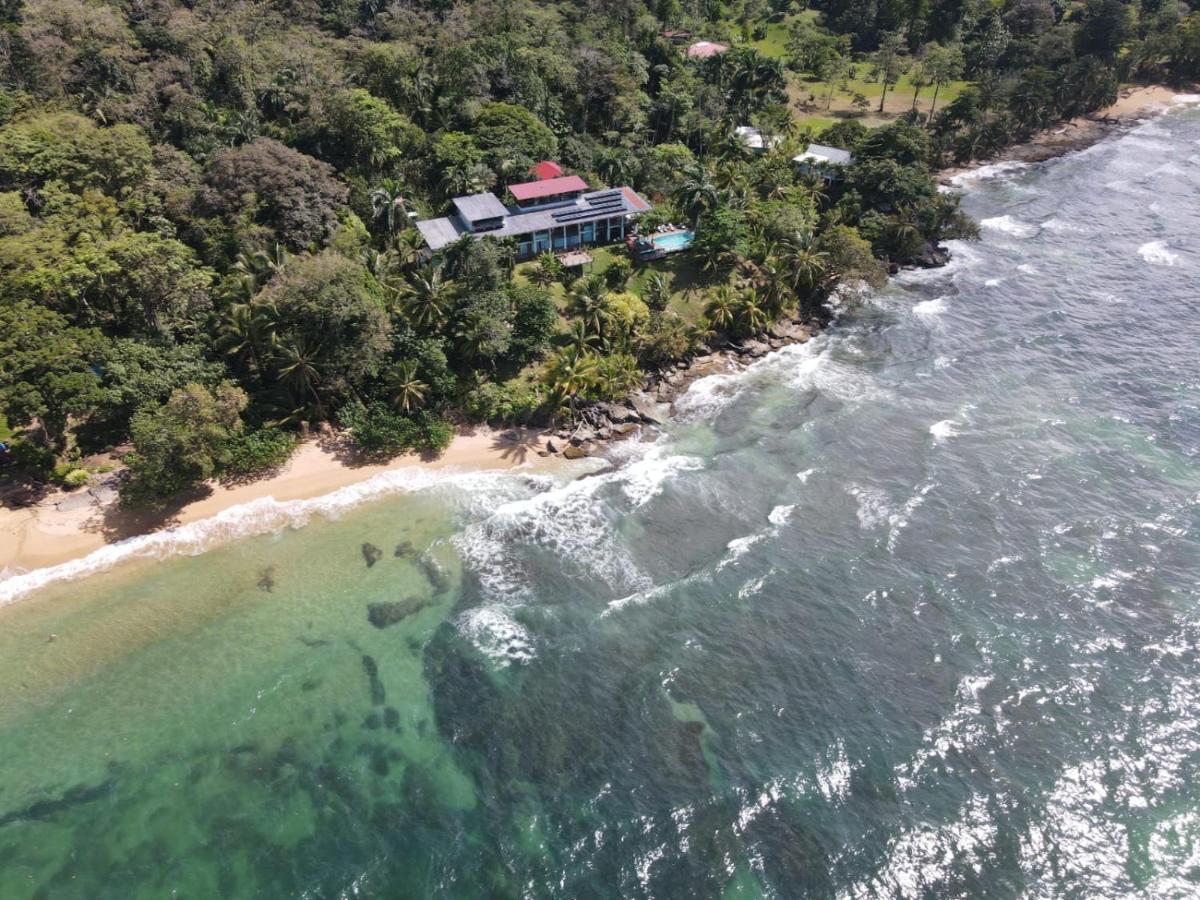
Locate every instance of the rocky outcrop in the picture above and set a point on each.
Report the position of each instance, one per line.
(652, 404)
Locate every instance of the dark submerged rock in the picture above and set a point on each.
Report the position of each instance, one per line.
(266, 579)
(435, 573)
(371, 554)
(378, 694)
(381, 615)
(391, 717)
(403, 549)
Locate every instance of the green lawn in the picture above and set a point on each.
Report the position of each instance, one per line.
(5, 431)
(899, 99)
(774, 44)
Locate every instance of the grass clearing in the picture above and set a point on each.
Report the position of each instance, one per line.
(808, 97)
(774, 44)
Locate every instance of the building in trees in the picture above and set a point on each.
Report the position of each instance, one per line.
(827, 162)
(705, 49)
(555, 214)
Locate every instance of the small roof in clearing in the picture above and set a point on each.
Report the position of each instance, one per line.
(820, 153)
(705, 49)
(478, 207)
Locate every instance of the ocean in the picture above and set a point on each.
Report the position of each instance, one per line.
(910, 610)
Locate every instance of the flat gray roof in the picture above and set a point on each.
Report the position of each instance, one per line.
(439, 233)
(479, 206)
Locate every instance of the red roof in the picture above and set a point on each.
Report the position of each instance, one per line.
(533, 190)
(546, 170)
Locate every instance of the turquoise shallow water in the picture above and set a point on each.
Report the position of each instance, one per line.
(910, 610)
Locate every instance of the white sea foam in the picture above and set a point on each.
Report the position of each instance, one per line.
(496, 634)
(262, 516)
(993, 282)
(739, 547)
(1157, 254)
(1027, 269)
(705, 397)
(875, 510)
(1060, 226)
(942, 431)
(805, 475)
(1008, 225)
(988, 173)
(752, 587)
(780, 514)
(930, 308)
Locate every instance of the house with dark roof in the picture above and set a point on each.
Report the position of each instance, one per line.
(556, 214)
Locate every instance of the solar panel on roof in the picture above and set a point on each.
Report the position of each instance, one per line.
(593, 212)
(601, 197)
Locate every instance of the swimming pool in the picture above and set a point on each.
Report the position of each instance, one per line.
(676, 240)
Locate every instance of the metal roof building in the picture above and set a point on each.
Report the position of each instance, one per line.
(820, 153)
(592, 217)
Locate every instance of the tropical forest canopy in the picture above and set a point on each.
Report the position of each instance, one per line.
(206, 209)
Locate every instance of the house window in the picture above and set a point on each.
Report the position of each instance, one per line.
(589, 232)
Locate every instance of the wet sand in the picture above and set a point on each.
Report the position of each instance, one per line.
(66, 526)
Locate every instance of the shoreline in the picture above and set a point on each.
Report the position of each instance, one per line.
(66, 527)
(1134, 105)
(69, 527)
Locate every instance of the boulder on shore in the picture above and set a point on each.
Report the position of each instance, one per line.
(648, 410)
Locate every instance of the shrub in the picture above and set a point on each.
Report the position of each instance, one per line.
(255, 452)
(503, 403)
(76, 478)
(377, 430)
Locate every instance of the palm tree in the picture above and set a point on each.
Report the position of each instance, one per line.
(904, 231)
(721, 310)
(406, 389)
(261, 266)
(771, 279)
(569, 373)
(588, 301)
(548, 270)
(424, 297)
(581, 337)
(750, 314)
(657, 291)
(614, 165)
(409, 248)
(248, 330)
(389, 204)
(809, 266)
(696, 193)
(297, 365)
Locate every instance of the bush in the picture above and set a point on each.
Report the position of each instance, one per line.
(255, 452)
(618, 273)
(379, 431)
(76, 478)
(504, 403)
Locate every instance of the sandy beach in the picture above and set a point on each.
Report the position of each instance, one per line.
(65, 526)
